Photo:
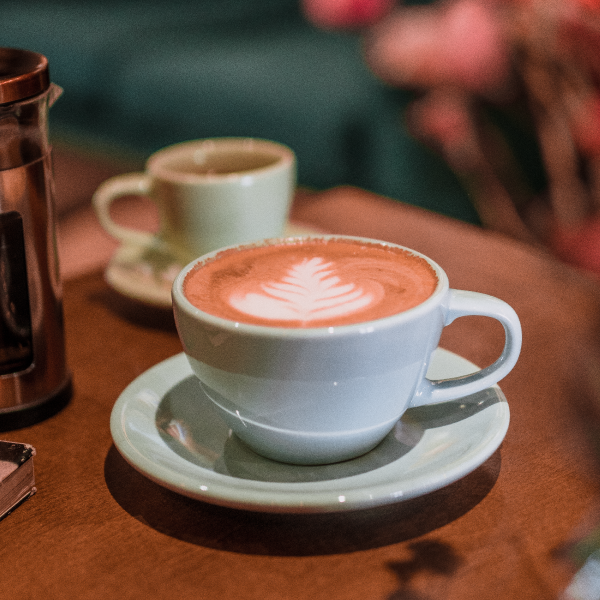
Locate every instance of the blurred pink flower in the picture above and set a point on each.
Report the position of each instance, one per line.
(586, 127)
(537, 62)
(460, 44)
(332, 14)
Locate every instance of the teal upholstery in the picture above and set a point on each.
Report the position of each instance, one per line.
(143, 75)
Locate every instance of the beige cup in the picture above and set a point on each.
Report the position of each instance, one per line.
(210, 193)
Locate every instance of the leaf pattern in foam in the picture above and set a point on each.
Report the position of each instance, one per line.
(309, 291)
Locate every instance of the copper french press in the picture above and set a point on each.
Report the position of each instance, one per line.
(34, 379)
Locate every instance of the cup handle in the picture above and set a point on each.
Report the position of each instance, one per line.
(462, 304)
(121, 185)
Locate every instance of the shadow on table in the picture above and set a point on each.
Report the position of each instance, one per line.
(138, 313)
(249, 532)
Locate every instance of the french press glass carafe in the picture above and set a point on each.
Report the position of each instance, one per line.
(34, 380)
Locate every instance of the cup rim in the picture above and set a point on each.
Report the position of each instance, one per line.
(155, 163)
(179, 298)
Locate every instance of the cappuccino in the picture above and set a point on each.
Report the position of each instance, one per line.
(292, 384)
(310, 282)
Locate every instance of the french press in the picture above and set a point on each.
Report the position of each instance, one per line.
(34, 380)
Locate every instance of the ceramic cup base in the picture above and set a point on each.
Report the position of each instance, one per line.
(304, 448)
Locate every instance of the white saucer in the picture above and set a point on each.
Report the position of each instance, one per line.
(165, 427)
(145, 275)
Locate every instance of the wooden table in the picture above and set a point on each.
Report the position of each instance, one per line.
(98, 529)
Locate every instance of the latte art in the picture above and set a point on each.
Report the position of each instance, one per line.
(308, 292)
(310, 283)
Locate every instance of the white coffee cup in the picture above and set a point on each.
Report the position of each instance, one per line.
(210, 193)
(318, 395)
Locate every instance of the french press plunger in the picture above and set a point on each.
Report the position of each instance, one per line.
(34, 380)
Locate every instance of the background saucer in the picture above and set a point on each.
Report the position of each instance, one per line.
(145, 275)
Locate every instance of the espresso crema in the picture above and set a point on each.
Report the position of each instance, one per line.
(310, 283)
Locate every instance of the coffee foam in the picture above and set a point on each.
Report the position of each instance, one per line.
(314, 283)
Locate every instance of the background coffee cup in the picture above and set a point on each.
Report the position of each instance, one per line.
(321, 395)
(210, 193)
